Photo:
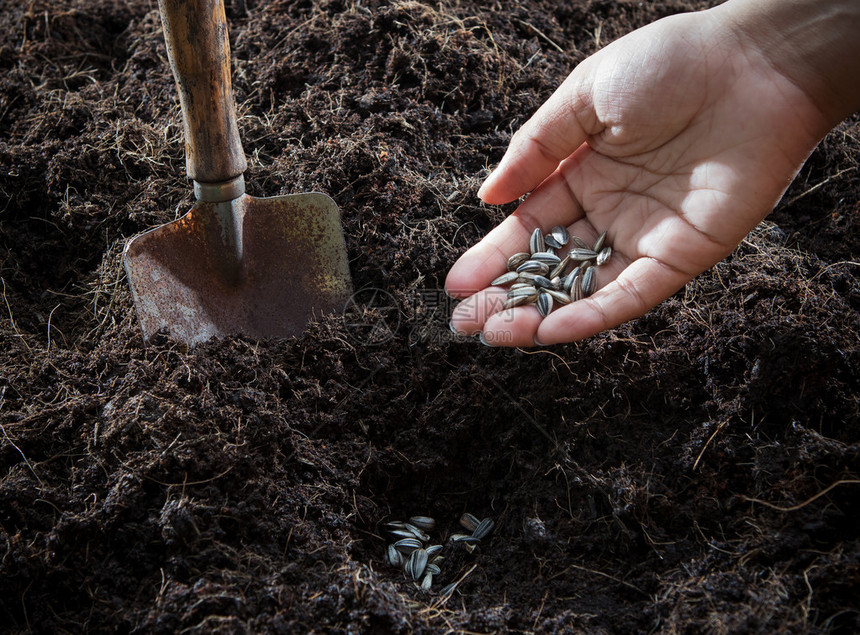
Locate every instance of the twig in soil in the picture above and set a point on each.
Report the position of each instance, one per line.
(542, 35)
(707, 443)
(453, 587)
(12, 443)
(811, 499)
(832, 177)
(601, 573)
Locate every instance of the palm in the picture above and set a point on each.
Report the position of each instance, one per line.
(676, 156)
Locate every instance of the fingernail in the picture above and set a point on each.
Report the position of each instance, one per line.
(537, 342)
(453, 330)
(483, 340)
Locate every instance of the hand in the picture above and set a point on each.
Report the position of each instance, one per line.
(676, 139)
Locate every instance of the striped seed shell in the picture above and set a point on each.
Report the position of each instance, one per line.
(516, 301)
(576, 289)
(544, 303)
(533, 266)
(402, 533)
(407, 545)
(550, 241)
(483, 529)
(560, 235)
(395, 558)
(416, 564)
(569, 279)
(604, 255)
(516, 260)
(505, 278)
(449, 589)
(422, 536)
(525, 291)
(527, 277)
(522, 285)
(546, 257)
(558, 270)
(536, 243)
(543, 282)
(469, 522)
(432, 550)
(598, 244)
(578, 253)
(469, 540)
(394, 524)
(588, 282)
(559, 296)
(579, 242)
(433, 569)
(423, 522)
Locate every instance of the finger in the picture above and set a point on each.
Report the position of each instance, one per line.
(551, 204)
(640, 287)
(552, 134)
(469, 317)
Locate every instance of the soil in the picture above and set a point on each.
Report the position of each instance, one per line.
(694, 470)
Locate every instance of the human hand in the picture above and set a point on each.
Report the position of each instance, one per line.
(676, 140)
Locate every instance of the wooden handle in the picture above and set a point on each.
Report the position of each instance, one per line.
(199, 53)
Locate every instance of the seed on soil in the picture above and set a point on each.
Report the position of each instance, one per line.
(395, 558)
(432, 550)
(407, 545)
(416, 564)
(483, 529)
(469, 522)
(427, 582)
(402, 533)
(417, 533)
(423, 522)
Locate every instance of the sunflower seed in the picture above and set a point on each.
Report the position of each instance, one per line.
(423, 522)
(505, 278)
(433, 569)
(517, 259)
(559, 296)
(604, 255)
(578, 253)
(416, 564)
(568, 280)
(402, 533)
(560, 235)
(423, 537)
(427, 582)
(395, 524)
(598, 245)
(469, 522)
(514, 302)
(432, 550)
(560, 267)
(588, 282)
(543, 282)
(544, 303)
(550, 241)
(534, 266)
(469, 540)
(546, 257)
(579, 242)
(536, 243)
(576, 289)
(527, 277)
(522, 285)
(483, 529)
(407, 545)
(395, 558)
(525, 291)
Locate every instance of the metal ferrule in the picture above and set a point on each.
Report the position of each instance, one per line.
(220, 192)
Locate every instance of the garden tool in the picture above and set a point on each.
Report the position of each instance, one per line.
(234, 264)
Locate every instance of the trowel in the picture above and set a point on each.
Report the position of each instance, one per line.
(234, 264)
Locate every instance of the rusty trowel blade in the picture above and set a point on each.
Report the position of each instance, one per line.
(290, 266)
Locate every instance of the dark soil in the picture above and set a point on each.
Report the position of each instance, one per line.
(695, 470)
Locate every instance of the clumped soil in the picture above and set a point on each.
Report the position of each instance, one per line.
(694, 470)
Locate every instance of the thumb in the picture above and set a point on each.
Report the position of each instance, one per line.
(552, 134)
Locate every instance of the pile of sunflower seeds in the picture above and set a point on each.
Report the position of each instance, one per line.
(413, 552)
(541, 276)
